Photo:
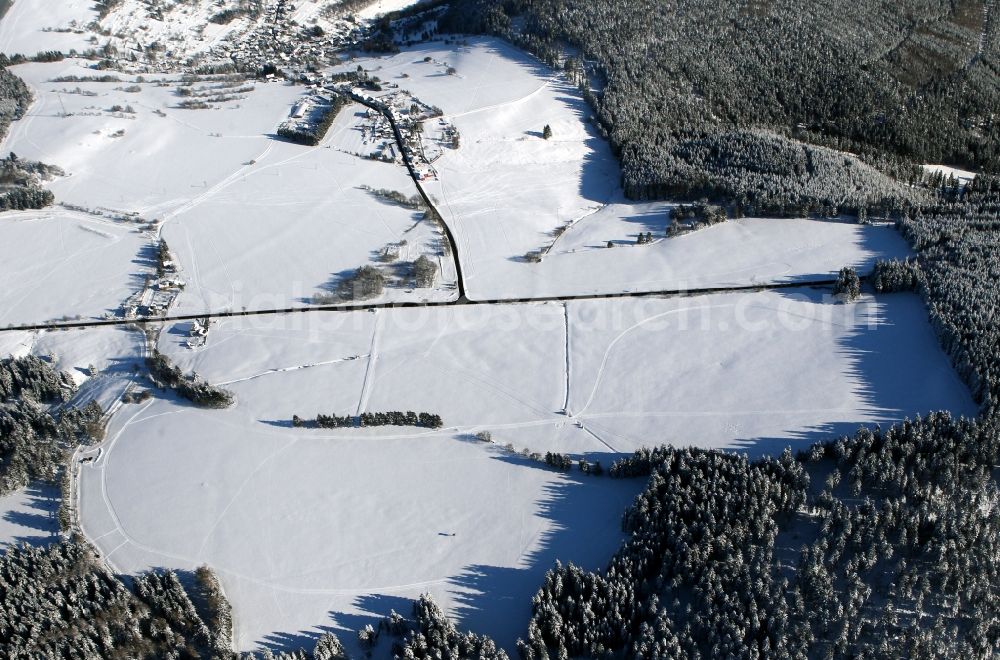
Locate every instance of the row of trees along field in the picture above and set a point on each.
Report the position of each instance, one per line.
(765, 101)
(191, 387)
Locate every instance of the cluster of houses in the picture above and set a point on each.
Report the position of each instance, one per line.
(425, 133)
(279, 41)
(198, 333)
(157, 295)
(271, 41)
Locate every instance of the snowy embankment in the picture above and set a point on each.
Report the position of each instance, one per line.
(312, 528)
(507, 192)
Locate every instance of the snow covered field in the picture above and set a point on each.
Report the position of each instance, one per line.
(312, 528)
(255, 221)
(31, 26)
(310, 531)
(507, 192)
(60, 264)
(712, 371)
(260, 223)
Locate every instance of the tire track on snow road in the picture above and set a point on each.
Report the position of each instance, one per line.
(293, 368)
(565, 307)
(622, 335)
(239, 491)
(370, 370)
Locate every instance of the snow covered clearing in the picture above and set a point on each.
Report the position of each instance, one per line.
(757, 371)
(735, 253)
(29, 516)
(287, 515)
(309, 531)
(964, 177)
(60, 264)
(641, 370)
(507, 192)
(297, 222)
(114, 353)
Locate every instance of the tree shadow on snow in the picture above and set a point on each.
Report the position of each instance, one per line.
(332, 286)
(279, 423)
(886, 355)
(40, 520)
(584, 515)
(600, 174)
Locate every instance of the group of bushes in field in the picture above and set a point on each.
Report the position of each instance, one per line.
(366, 282)
(424, 271)
(848, 284)
(369, 281)
(20, 199)
(393, 418)
(395, 197)
(688, 217)
(192, 388)
(564, 462)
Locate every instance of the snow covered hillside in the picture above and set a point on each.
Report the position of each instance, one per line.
(509, 193)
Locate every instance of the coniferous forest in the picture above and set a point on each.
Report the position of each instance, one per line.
(777, 104)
